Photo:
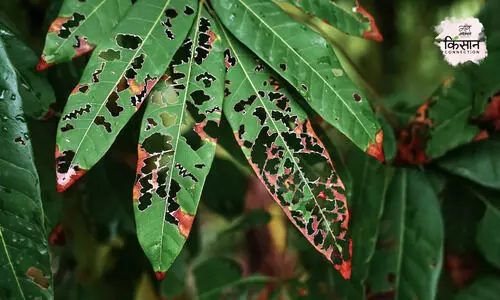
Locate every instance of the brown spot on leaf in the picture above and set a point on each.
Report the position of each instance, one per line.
(185, 222)
(37, 277)
(57, 24)
(356, 97)
(66, 172)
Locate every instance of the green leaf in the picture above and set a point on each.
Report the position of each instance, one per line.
(119, 76)
(485, 288)
(35, 90)
(306, 61)
(285, 153)
(371, 180)
(487, 238)
(173, 160)
(219, 276)
(356, 22)
(24, 257)
(408, 259)
(478, 162)
(79, 26)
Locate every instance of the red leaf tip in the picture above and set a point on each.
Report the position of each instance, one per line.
(373, 33)
(375, 149)
(42, 65)
(160, 275)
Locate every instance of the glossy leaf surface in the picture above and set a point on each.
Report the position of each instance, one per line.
(79, 26)
(410, 238)
(478, 162)
(35, 90)
(306, 61)
(285, 153)
(175, 148)
(24, 258)
(117, 80)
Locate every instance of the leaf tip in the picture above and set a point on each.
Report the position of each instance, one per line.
(160, 275)
(43, 65)
(345, 267)
(374, 32)
(375, 149)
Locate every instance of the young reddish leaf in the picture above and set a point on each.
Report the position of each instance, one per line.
(118, 78)
(287, 156)
(79, 26)
(176, 144)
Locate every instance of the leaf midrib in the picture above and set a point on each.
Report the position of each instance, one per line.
(310, 67)
(181, 119)
(119, 78)
(277, 130)
(10, 262)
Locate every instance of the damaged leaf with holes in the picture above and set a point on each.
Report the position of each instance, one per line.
(287, 156)
(24, 258)
(308, 63)
(118, 78)
(177, 143)
(73, 32)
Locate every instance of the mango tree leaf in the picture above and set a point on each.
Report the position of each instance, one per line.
(478, 162)
(79, 26)
(408, 259)
(487, 238)
(285, 153)
(356, 22)
(119, 76)
(35, 90)
(174, 163)
(24, 257)
(371, 180)
(307, 62)
(485, 288)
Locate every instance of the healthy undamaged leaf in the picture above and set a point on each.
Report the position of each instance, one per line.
(176, 144)
(119, 76)
(484, 288)
(24, 258)
(408, 258)
(35, 90)
(356, 22)
(80, 25)
(487, 238)
(285, 153)
(308, 63)
(371, 180)
(478, 162)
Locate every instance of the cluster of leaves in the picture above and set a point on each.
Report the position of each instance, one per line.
(195, 65)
